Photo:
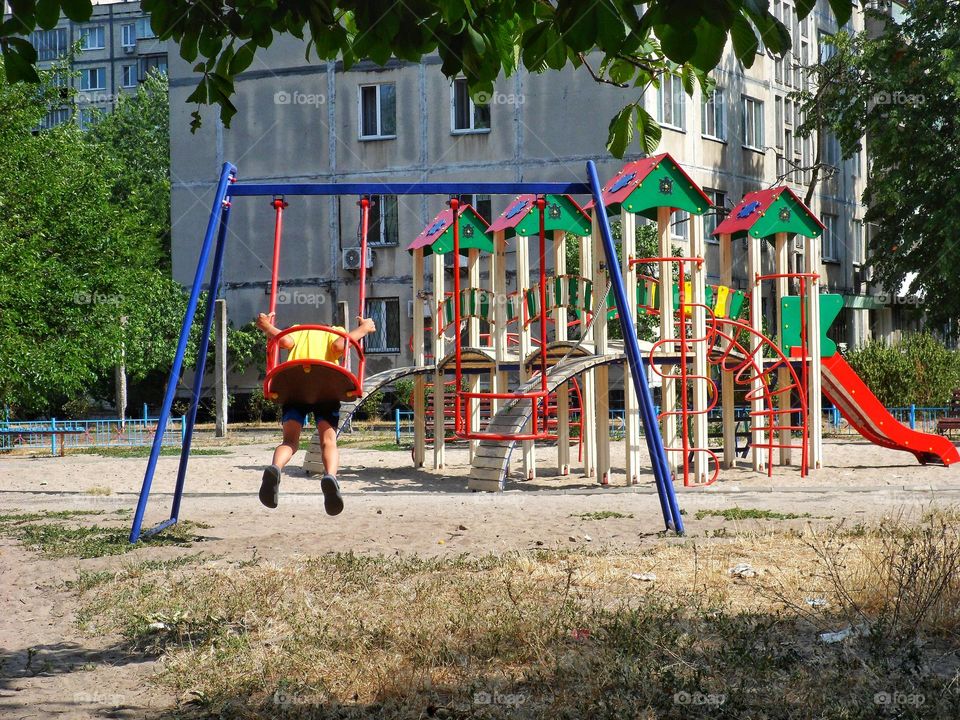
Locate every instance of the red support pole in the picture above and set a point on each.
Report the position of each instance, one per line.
(457, 416)
(364, 229)
(541, 207)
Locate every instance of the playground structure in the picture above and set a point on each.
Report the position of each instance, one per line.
(522, 349)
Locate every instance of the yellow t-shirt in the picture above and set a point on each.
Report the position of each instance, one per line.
(314, 345)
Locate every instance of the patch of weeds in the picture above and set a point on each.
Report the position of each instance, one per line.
(739, 513)
(55, 540)
(89, 579)
(99, 490)
(602, 515)
(144, 451)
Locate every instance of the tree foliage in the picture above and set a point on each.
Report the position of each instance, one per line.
(74, 260)
(901, 91)
(626, 44)
(918, 370)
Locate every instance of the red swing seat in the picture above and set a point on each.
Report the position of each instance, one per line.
(310, 381)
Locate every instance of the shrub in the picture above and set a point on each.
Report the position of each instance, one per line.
(917, 370)
(260, 408)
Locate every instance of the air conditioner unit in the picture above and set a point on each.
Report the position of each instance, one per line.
(411, 305)
(351, 258)
(129, 49)
(798, 243)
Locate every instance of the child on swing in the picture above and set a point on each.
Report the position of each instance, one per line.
(319, 345)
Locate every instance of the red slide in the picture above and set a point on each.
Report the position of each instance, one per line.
(861, 408)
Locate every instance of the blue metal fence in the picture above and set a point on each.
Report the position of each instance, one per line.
(35, 434)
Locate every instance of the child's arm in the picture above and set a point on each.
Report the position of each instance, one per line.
(364, 328)
(265, 323)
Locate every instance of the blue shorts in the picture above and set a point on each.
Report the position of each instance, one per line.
(328, 411)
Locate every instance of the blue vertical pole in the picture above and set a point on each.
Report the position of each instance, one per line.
(53, 436)
(913, 416)
(226, 172)
(145, 416)
(191, 417)
(396, 417)
(658, 456)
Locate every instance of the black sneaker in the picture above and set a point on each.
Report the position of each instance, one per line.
(332, 500)
(270, 487)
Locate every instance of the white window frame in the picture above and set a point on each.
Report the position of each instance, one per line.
(710, 217)
(382, 240)
(473, 129)
(85, 79)
(859, 249)
(675, 84)
(123, 75)
(715, 101)
(680, 226)
(382, 327)
(85, 32)
(148, 32)
(828, 246)
(750, 106)
(380, 135)
(778, 120)
(128, 35)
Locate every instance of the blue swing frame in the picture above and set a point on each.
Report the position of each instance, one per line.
(228, 188)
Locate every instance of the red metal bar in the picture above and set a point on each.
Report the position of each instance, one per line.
(458, 375)
(273, 350)
(364, 229)
(541, 206)
(278, 204)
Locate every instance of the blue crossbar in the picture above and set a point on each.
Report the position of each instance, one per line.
(408, 188)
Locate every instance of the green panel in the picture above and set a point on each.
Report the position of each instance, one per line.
(786, 215)
(665, 186)
(830, 307)
(473, 234)
(562, 214)
(736, 302)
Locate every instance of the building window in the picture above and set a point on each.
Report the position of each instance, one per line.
(129, 78)
(715, 115)
(91, 37)
(54, 118)
(830, 239)
(378, 111)
(143, 28)
(859, 251)
(93, 79)
(128, 35)
(680, 227)
(831, 150)
(826, 49)
(87, 117)
(670, 103)
(385, 312)
(752, 123)
(50, 44)
(778, 114)
(715, 215)
(383, 223)
(483, 204)
(465, 115)
(152, 62)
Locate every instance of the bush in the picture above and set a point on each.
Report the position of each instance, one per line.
(259, 408)
(403, 392)
(918, 370)
(77, 409)
(371, 407)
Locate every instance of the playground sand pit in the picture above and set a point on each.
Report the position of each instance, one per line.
(557, 597)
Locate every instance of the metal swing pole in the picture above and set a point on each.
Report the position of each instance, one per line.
(279, 204)
(541, 206)
(458, 420)
(227, 175)
(364, 229)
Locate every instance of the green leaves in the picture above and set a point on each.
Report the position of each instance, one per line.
(19, 57)
(48, 13)
(77, 10)
(621, 130)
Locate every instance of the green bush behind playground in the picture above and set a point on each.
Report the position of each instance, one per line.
(917, 370)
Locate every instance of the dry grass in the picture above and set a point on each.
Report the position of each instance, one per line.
(560, 635)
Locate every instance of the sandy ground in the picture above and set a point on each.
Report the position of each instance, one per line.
(50, 669)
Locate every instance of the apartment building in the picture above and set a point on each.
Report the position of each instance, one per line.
(300, 121)
(117, 50)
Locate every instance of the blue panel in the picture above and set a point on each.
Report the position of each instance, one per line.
(409, 188)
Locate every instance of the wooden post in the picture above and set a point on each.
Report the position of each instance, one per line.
(120, 377)
(560, 334)
(729, 420)
(419, 382)
(526, 346)
(811, 257)
(631, 405)
(782, 263)
(220, 367)
(499, 274)
(439, 350)
(698, 331)
(757, 424)
(668, 389)
(473, 338)
(588, 413)
(601, 347)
